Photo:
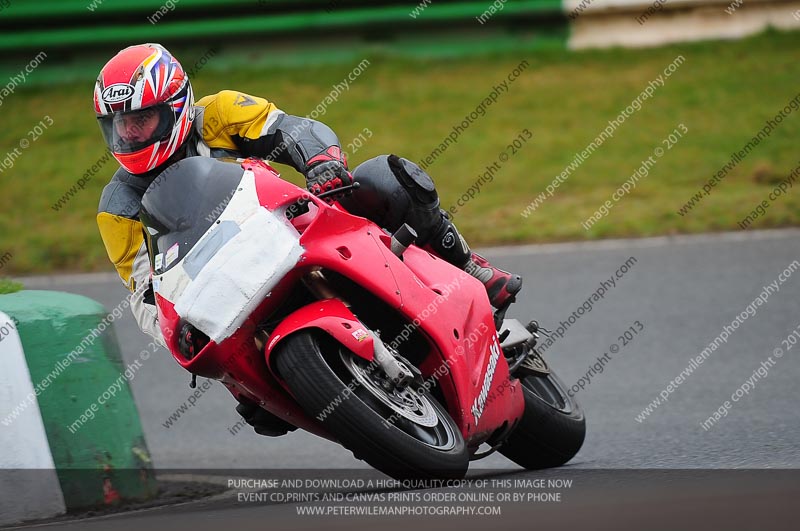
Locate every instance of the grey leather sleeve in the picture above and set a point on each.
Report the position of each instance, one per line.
(291, 140)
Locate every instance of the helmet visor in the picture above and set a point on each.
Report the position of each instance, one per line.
(128, 132)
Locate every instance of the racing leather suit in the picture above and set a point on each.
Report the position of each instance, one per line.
(393, 190)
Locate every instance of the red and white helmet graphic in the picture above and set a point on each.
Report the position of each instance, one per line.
(145, 106)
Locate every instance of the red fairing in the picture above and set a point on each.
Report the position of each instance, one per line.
(452, 302)
(168, 320)
(458, 320)
(332, 317)
(238, 365)
(450, 307)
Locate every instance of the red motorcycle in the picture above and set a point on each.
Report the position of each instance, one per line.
(337, 327)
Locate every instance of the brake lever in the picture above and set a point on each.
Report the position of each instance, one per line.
(340, 190)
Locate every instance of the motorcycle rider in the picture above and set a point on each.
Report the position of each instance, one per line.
(145, 107)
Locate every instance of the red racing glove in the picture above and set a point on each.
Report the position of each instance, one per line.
(327, 171)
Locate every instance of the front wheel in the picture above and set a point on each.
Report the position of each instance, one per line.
(403, 433)
(551, 430)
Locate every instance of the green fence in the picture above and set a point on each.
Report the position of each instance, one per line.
(52, 24)
(70, 40)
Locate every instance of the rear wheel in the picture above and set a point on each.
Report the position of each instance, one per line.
(553, 427)
(403, 433)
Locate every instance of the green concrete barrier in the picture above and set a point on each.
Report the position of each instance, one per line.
(78, 385)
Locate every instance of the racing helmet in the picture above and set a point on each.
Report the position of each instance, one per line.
(144, 105)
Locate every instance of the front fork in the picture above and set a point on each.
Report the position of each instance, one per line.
(400, 374)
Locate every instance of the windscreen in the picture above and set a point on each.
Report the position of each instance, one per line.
(182, 203)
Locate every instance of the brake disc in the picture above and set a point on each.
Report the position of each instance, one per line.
(405, 402)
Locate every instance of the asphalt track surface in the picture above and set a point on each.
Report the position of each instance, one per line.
(682, 291)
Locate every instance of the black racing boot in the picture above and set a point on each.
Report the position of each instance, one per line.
(501, 286)
(439, 234)
(263, 422)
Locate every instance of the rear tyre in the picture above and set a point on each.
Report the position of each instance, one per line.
(552, 429)
(405, 434)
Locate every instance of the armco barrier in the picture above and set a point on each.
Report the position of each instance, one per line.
(52, 369)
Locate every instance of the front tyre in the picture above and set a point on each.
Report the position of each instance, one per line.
(403, 433)
(552, 428)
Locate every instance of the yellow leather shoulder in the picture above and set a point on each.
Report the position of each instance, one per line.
(228, 113)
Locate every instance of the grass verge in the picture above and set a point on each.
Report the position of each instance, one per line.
(723, 94)
(9, 286)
